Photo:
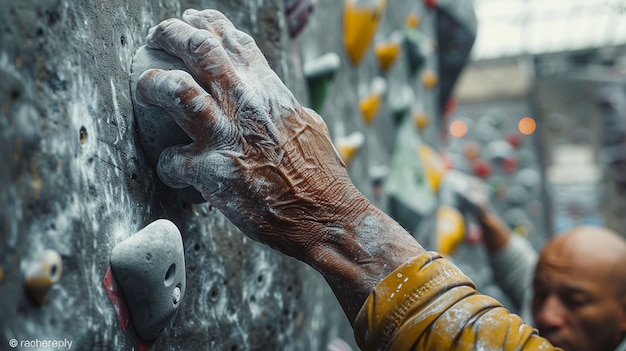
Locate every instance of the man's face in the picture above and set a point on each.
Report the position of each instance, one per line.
(576, 304)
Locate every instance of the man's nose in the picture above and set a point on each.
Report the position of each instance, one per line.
(551, 313)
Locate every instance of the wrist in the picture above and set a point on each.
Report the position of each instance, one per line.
(358, 249)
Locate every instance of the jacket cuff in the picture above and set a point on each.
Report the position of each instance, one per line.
(403, 300)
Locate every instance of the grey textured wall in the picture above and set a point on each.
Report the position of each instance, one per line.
(73, 178)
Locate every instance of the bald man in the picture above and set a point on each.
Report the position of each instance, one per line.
(579, 300)
(578, 295)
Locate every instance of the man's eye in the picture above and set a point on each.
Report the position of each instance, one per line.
(575, 300)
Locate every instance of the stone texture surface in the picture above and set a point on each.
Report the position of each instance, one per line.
(75, 179)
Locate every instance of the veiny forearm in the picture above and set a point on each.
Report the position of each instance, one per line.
(359, 251)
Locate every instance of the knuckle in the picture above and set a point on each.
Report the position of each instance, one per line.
(177, 83)
(237, 36)
(200, 40)
(163, 27)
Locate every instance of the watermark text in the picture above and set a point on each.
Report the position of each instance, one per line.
(58, 344)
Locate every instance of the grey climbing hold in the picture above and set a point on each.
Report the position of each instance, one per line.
(157, 130)
(149, 267)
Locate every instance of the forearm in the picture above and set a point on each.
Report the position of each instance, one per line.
(361, 250)
(496, 233)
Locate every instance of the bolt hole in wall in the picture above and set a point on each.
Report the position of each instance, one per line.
(83, 135)
(15, 95)
(215, 293)
(169, 275)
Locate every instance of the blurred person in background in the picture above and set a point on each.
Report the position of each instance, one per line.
(574, 288)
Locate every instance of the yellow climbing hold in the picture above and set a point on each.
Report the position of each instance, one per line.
(413, 20)
(349, 146)
(369, 107)
(361, 20)
(450, 229)
(430, 79)
(372, 103)
(434, 166)
(422, 120)
(388, 52)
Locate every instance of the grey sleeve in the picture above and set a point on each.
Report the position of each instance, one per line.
(513, 268)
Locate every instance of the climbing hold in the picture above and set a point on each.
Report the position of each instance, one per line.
(413, 21)
(510, 164)
(157, 130)
(400, 102)
(422, 120)
(298, 14)
(320, 75)
(41, 274)
(431, 3)
(434, 167)
(518, 196)
(515, 139)
(498, 150)
(372, 103)
(378, 174)
(528, 178)
(499, 187)
(482, 168)
(471, 150)
(430, 79)
(388, 52)
(493, 119)
(450, 229)
(361, 20)
(515, 216)
(455, 32)
(348, 146)
(149, 268)
(412, 43)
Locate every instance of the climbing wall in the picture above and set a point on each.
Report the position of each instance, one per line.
(75, 182)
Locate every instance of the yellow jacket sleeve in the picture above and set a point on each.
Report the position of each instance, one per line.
(429, 304)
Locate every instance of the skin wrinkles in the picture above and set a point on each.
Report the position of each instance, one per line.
(579, 301)
(266, 162)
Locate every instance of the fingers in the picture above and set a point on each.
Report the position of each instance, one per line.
(210, 20)
(239, 45)
(176, 167)
(179, 94)
(201, 51)
(183, 165)
(211, 47)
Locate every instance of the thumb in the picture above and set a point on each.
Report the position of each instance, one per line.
(176, 167)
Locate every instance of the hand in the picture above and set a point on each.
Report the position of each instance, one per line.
(465, 193)
(262, 159)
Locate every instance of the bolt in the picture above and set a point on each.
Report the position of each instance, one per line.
(176, 295)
